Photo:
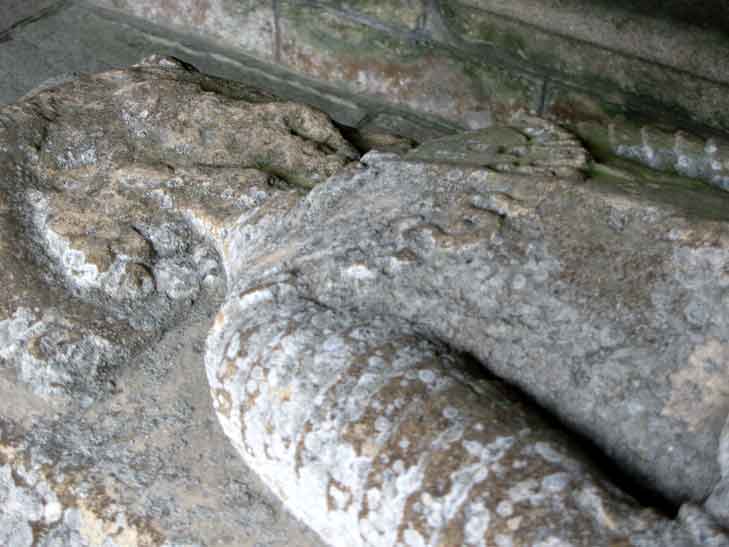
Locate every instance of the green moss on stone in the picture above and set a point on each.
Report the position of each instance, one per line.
(691, 197)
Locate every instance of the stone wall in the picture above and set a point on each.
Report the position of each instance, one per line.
(473, 60)
(477, 62)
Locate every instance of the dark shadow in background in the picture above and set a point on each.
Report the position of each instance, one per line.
(708, 14)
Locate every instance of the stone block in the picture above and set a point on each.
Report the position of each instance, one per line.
(16, 12)
(239, 24)
(638, 29)
(418, 74)
(641, 85)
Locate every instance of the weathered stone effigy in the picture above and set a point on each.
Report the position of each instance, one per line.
(353, 324)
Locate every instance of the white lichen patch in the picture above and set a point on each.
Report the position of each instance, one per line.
(477, 524)
(352, 437)
(17, 330)
(359, 272)
(72, 262)
(553, 542)
(20, 508)
(32, 513)
(49, 352)
(18, 335)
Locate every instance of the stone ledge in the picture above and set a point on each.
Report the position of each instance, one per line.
(698, 51)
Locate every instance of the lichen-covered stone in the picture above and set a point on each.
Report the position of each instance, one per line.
(599, 293)
(338, 364)
(116, 196)
(46, 509)
(117, 183)
(375, 436)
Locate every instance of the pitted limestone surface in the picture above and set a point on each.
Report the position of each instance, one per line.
(718, 502)
(117, 192)
(119, 187)
(375, 436)
(600, 303)
(600, 297)
(134, 199)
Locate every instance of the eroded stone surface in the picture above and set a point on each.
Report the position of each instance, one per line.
(529, 146)
(133, 199)
(146, 466)
(676, 151)
(375, 436)
(121, 185)
(116, 196)
(601, 294)
(718, 502)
